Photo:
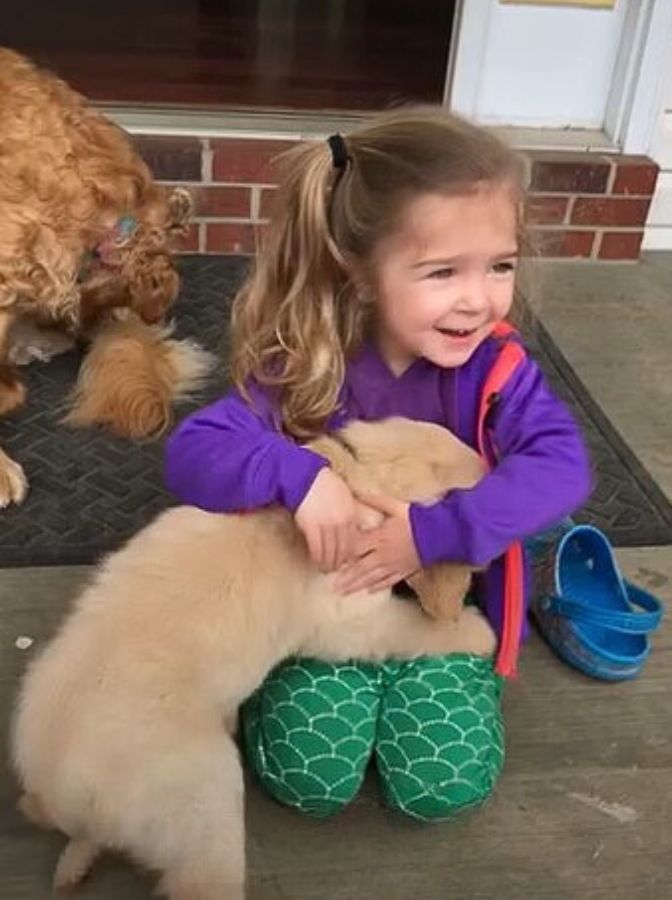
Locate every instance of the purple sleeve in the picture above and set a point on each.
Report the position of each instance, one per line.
(229, 456)
(543, 475)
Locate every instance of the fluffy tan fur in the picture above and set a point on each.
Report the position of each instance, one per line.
(123, 732)
(132, 376)
(67, 176)
(440, 588)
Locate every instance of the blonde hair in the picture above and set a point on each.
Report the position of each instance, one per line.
(300, 313)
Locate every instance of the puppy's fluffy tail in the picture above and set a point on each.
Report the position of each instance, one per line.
(132, 375)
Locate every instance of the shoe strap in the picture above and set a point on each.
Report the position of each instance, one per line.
(629, 622)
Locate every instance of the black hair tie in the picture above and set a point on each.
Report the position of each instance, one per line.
(339, 151)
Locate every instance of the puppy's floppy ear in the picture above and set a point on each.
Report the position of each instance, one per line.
(441, 588)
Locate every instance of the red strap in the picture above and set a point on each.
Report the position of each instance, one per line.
(514, 591)
(510, 355)
(503, 329)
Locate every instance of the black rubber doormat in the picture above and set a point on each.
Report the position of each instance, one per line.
(90, 492)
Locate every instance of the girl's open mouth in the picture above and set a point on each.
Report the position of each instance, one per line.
(458, 332)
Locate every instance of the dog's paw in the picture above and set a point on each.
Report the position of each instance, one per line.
(73, 864)
(33, 344)
(13, 482)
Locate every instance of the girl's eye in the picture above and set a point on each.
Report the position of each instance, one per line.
(504, 268)
(442, 273)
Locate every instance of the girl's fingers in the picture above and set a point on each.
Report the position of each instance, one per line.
(342, 540)
(329, 549)
(314, 539)
(364, 543)
(350, 544)
(384, 583)
(361, 579)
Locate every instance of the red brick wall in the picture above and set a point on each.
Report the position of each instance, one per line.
(589, 205)
(585, 205)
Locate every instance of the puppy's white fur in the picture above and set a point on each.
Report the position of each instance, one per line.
(123, 732)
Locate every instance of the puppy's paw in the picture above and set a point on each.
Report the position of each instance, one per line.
(13, 482)
(73, 864)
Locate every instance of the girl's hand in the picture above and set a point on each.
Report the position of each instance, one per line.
(385, 555)
(326, 518)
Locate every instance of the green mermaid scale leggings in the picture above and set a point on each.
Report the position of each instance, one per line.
(433, 724)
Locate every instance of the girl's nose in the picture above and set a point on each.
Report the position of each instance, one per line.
(473, 296)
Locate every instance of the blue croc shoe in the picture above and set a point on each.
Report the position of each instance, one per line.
(593, 619)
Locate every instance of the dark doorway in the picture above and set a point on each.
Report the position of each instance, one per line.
(291, 54)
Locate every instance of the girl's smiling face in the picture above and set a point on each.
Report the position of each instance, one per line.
(446, 277)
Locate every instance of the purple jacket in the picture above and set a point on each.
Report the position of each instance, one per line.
(230, 456)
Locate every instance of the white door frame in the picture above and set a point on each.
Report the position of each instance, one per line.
(637, 84)
(639, 76)
(467, 52)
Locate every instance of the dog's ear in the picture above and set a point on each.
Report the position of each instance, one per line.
(154, 285)
(441, 588)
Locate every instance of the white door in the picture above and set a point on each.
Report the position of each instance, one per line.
(535, 66)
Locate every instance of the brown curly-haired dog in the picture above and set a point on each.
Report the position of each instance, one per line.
(83, 227)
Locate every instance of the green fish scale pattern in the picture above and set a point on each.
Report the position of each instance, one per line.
(434, 725)
(440, 736)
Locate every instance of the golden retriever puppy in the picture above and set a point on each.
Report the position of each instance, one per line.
(83, 226)
(123, 734)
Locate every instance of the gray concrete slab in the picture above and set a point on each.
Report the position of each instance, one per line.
(583, 807)
(614, 325)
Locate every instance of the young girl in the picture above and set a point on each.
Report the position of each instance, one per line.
(382, 289)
